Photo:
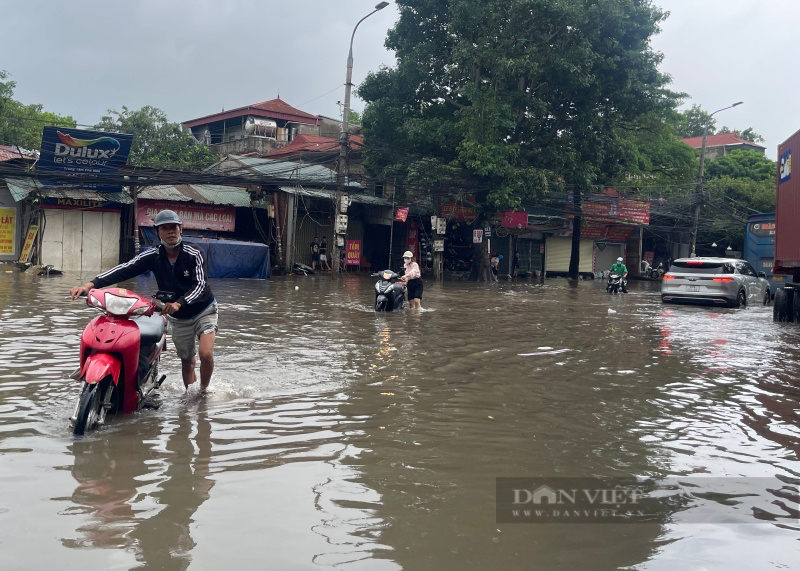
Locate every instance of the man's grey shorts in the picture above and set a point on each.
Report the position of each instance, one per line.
(185, 332)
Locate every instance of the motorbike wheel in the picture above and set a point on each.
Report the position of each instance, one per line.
(90, 413)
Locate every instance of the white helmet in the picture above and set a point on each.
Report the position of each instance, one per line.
(619, 259)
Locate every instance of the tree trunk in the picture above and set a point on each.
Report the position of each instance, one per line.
(575, 257)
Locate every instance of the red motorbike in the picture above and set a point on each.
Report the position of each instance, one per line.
(119, 356)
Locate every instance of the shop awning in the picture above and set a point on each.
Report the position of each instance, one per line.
(21, 188)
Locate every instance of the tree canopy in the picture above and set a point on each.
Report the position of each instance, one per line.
(692, 121)
(21, 124)
(157, 142)
(503, 97)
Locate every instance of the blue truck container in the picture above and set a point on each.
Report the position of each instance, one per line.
(759, 247)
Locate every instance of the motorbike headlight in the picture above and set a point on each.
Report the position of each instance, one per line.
(387, 275)
(117, 305)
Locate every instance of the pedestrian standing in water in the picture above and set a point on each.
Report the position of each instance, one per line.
(315, 253)
(515, 265)
(323, 254)
(181, 269)
(413, 278)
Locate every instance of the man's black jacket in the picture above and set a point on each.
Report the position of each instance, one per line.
(187, 278)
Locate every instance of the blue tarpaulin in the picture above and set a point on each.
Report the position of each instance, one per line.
(228, 258)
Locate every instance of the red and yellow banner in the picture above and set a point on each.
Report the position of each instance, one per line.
(8, 230)
(353, 250)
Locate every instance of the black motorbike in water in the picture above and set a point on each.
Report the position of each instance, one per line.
(390, 291)
(614, 284)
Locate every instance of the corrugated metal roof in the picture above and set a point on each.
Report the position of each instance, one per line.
(79, 193)
(316, 174)
(199, 193)
(320, 193)
(22, 187)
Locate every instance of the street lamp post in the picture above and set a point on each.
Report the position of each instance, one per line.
(699, 187)
(340, 208)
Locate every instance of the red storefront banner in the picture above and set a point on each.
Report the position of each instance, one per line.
(353, 249)
(608, 232)
(511, 219)
(455, 211)
(412, 237)
(193, 216)
(614, 209)
(401, 214)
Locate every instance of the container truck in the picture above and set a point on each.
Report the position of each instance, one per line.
(759, 247)
(786, 306)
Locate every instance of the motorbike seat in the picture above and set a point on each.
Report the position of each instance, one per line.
(151, 328)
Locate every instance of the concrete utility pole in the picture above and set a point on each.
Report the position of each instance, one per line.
(699, 189)
(340, 206)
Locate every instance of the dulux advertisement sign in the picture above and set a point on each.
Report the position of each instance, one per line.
(80, 152)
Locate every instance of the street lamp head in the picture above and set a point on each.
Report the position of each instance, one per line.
(737, 103)
(728, 249)
(714, 245)
(382, 5)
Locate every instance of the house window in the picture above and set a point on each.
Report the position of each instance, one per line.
(379, 189)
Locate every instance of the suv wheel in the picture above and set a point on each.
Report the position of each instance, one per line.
(741, 299)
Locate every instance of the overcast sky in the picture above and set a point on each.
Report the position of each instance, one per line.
(192, 58)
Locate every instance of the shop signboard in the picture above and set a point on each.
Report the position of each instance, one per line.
(477, 236)
(27, 247)
(412, 237)
(194, 216)
(614, 210)
(82, 153)
(401, 214)
(510, 219)
(8, 230)
(353, 257)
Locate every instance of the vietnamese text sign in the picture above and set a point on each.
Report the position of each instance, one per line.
(477, 236)
(613, 210)
(353, 252)
(193, 216)
(28, 246)
(8, 230)
(402, 214)
(78, 152)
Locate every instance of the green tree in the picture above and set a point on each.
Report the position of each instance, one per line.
(690, 123)
(157, 142)
(22, 124)
(743, 164)
(507, 95)
(354, 118)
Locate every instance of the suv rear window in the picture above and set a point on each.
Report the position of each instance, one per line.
(702, 268)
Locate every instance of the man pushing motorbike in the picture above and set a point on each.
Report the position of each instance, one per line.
(181, 269)
(621, 270)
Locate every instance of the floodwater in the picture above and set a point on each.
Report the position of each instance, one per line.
(338, 438)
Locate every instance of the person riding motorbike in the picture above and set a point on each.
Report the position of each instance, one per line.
(179, 268)
(621, 270)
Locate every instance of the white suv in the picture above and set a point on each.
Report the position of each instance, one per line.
(717, 281)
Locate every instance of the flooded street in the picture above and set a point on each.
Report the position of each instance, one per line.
(338, 438)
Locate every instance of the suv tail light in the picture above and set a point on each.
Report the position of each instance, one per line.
(667, 277)
(722, 279)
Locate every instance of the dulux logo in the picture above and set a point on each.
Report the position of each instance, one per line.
(100, 148)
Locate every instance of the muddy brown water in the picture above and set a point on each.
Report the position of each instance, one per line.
(338, 438)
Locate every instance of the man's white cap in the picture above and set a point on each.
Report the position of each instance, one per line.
(619, 259)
